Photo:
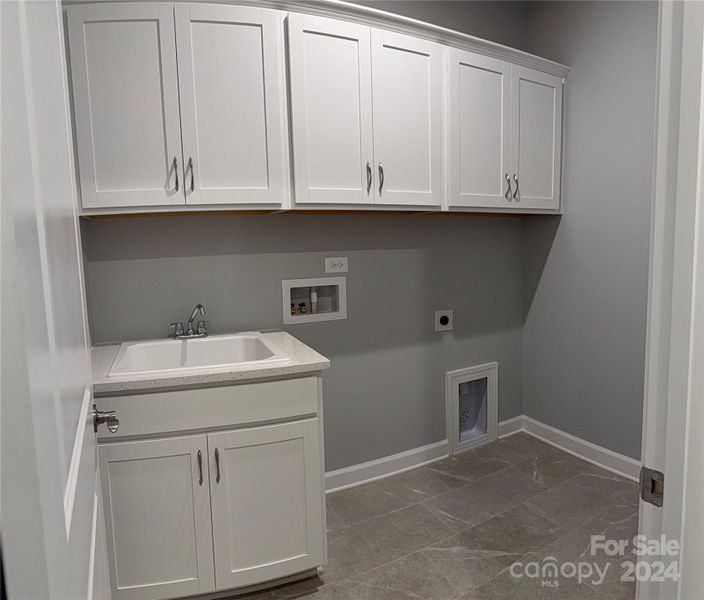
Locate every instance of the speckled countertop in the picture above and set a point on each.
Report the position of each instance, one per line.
(301, 359)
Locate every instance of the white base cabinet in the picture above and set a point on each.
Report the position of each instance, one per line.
(221, 509)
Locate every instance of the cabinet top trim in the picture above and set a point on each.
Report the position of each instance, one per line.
(379, 18)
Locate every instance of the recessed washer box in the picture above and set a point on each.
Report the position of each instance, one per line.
(311, 300)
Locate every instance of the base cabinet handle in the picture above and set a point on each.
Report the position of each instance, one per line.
(200, 468)
(217, 466)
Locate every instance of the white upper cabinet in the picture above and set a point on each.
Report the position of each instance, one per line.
(366, 115)
(266, 502)
(480, 136)
(231, 82)
(331, 107)
(187, 104)
(536, 132)
(125, 93)
(505, 134)
(408, 118)
(131, 121)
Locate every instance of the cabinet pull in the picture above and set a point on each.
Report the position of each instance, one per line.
(369, 177)
(175, 170)
(381, 177)
(200, 468)
(516, 193)
(193, 177)
(507, 194)
(217, 466)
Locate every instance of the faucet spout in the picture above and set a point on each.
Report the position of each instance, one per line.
(199, 309)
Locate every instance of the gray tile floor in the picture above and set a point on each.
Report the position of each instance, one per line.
(452, 529)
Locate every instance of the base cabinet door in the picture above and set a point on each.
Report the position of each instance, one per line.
(157, 513)
(267, 511)
(536, 134)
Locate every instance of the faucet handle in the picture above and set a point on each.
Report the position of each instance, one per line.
(175, 329)
(202, 330)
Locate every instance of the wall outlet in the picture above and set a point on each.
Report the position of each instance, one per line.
(443, 320)
(336, 265)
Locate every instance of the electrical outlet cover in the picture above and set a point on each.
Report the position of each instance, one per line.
(443, 320)
(337, 264)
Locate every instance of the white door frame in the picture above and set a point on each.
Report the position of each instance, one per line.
(674, 382)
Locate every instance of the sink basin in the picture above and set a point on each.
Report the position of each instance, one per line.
(212, 352)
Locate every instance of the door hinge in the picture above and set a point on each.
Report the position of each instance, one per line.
(652, 486)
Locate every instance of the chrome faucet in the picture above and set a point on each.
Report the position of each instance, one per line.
(200, 331)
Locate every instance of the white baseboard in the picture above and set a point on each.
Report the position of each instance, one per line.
(510, 426)
(385, 467)
(622, 465)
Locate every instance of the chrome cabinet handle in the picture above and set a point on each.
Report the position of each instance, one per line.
(108, 416)
(193, 177)
(507, 194)
(175, 169)
(217, 466)
(369, 177)
(381, 177)
(200, 468)
(516, 193)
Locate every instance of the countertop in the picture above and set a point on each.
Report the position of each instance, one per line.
(301, 359)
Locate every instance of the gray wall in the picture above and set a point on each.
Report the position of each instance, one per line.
(584, 336)
(385, 391)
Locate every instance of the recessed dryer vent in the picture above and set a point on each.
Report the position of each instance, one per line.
(471, 397)
(310, 300)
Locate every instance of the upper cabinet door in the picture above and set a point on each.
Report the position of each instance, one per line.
(266, 488)
(408, 117)
(536, 133)
(231, 76)
(125, 92)
(480, 136)
(331, 110)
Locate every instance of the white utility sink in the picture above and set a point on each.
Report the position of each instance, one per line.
(212, 352)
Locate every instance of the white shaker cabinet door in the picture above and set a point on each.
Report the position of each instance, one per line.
(125, 93)
(157, 513)
(266, 486)
(536, 133)
(480, 136)
(408, 117)
(231, 76)
(331, 113)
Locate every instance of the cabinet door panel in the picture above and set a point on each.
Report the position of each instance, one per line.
(267, 506)
(331, 110)
(479, 130)
(231, 78)
(125, 91)
(407, 97)
(157, 517)
(536, 137)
